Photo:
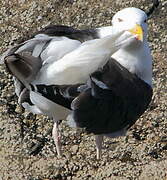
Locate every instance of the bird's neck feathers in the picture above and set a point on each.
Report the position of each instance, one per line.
(105, 31)
(137, 60)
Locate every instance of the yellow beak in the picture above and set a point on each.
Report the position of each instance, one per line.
(138, 31)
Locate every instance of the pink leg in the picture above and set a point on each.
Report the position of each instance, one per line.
(56, 138)
(98, 141)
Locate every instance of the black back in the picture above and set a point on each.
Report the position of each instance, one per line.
(70, 32)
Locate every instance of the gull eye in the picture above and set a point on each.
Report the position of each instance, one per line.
(145, 20)
(120, 20)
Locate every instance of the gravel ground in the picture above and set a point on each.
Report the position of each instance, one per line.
(141, 155)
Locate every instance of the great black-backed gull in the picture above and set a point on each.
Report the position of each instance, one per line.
(59, 55)
(32, 63)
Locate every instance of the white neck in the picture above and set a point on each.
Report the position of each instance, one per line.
(105, 31)
(137, 60)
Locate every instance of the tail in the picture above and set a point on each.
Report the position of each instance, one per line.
(23, 60)
(23, 66)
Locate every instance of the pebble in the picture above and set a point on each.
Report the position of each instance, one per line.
(74, 149)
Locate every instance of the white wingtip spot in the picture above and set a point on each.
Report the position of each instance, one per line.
(70, 121)
(99, 83)
(32, 108)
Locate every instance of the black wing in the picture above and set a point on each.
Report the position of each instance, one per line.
(111, 100)
(62, 95)
(114, 99)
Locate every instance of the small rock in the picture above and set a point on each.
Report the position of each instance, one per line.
(74, 149)
(19, 109)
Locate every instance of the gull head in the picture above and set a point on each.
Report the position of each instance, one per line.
(133, 21)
